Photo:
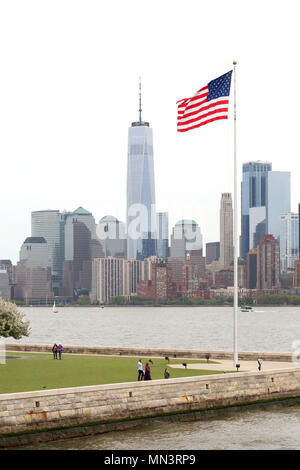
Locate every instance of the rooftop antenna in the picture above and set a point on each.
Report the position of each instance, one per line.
(140, 100)
(140, 122)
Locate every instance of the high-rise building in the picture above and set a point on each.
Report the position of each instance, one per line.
(268, 263)
(257, 225)
(63, 219)
(112, 277)
(278, 200)
(33, 271)
(186, 239)
(175, 265)
(262, 203)
(7, 265)
(226, 231)
(112, 237)
(108, 279)
(253, 193)
(190, 278)
(4, 284)
(252, 268)
(223, 278)
(79, 215)
(197, 259)
(299, 230)
(212, 252)
(289, 240)
(287, 279)
(140, 191)
(32, 284)
(297, 273)
(133, 274)
(162, 242)
(57, 229)
(46, 224)
(242, 273)
(160, 286)
(36, 252)
(77, 258)
(186, 236)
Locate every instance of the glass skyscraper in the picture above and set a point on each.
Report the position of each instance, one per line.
(253, 194)
(140, 191)
(162, 226)
(46, 223)
(278, 200)
(289, 240)
(265, 196)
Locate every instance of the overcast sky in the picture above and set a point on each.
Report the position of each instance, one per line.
(69, 91)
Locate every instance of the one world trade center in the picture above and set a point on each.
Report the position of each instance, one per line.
(141, 232)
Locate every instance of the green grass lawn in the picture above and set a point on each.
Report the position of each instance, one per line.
(35, 371)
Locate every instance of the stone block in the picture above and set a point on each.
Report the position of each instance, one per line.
(67, 413)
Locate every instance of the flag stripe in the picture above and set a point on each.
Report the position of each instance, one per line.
(182, 116)
(202, 105)
(203, 117)
(197, 96)
(195, 104)
(203, 108)
(202, 123)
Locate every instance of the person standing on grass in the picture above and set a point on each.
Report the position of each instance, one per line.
(140, 370)
(54, 350)
(60, 350)
(147, 372)
(166, 373)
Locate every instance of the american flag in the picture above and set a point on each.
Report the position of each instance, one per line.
(209, 104)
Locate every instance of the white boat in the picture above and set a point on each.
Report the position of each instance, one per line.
(246, 308)
(54, 309)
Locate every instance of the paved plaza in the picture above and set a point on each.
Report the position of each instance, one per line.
(245, 366)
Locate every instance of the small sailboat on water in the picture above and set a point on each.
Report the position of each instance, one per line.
(54, 308)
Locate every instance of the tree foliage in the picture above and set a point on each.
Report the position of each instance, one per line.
(12, 323)
(83, 300)
(278, 299)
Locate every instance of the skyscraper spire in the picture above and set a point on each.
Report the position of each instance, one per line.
(140, 122)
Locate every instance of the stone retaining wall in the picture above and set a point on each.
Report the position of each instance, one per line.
(60, 408)
(179, 353)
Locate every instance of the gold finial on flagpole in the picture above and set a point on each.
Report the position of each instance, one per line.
(234, 62)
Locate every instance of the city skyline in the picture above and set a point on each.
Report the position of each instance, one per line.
(100, 221)
(61, 151)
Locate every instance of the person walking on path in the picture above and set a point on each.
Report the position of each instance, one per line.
(259, 363)
(166, 373)
(60, 350)
(140, 370)
(54, 350)
(147, 372)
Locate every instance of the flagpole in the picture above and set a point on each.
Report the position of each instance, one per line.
(235, 230)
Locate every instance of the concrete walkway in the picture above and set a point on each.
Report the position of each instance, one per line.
(245, 366)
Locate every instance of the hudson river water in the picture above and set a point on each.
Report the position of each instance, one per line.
(272, 329)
